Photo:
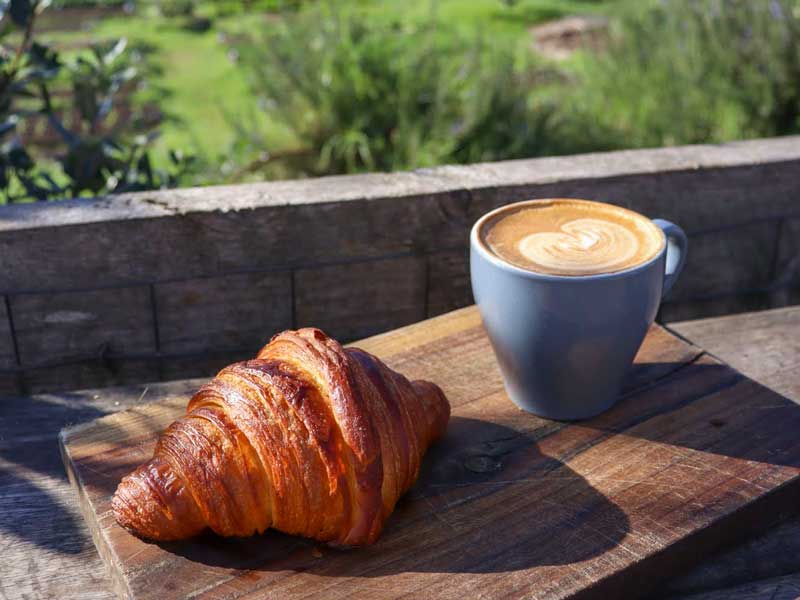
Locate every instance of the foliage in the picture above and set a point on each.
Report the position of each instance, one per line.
(386, 85)
(99, 153)
(177, 8)
(225, 8)
(360, 95)
(534, 11)
(87, 3)
(691, 71)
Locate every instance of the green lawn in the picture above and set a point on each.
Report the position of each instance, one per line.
(205, 90)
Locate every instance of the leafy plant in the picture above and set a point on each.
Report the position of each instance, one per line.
(177, 8)
(103, 156)
(99, 151)
(224, 8)
(691, 71)
(361, 95)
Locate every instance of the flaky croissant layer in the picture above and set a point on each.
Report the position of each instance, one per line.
(309, 438)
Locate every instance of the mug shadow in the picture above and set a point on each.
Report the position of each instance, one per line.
(486, 501)
(708, 407)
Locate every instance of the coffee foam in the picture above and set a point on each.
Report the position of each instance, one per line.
(571, 237)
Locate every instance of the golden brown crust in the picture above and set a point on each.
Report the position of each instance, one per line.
(309, 438)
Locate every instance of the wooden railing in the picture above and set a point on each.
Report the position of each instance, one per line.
(177, 283)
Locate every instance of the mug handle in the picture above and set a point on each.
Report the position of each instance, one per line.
(677, 244)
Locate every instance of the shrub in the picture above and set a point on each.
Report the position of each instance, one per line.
(99, 153)
(225, 8)
(177, 8)
(691, 71)
(364, 95)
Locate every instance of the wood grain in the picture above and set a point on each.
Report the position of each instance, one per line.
(449, 287)
(81, 322)
(47, 551)
(104, 323)
(753, 254)
(9, 383)
(772, 553)
(712, 307)
(330, 223)
(788, 268)
(777, 588)
(229, 312)
(217, 230)
(509, 504)
(356, 300)
(763, 345)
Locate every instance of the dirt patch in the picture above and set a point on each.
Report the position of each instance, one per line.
(560, 39)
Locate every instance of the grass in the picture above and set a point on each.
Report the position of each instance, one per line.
(496, 14)
(205, 90)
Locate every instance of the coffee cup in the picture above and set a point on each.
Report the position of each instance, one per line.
(567, 290)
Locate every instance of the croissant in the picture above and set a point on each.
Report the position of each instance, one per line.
(308, 438)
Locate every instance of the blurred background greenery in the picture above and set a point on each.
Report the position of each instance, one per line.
(203, 92)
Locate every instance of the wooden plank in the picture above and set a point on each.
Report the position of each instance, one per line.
(785, 297)
(9, 381)
(787, 272)
(509, 504)
(208, 231)
(360, 299)
(89, 374)
(728, 261)
(336, 221)
(239, 312)
(682, 310)
(769, 159)
(698, 199)
(28, 443)
(770, 554)
(81, 323)
(449, 286)
(777, 588)
(789, 253)
(203, 365)
(764, 345)
(218, 243)
(113, 325)
(47, 550)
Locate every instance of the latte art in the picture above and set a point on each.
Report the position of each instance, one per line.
(571, 237)
(581, 247)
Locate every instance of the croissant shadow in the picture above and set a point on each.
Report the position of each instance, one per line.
(486, 501)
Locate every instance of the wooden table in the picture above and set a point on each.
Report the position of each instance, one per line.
(47, 552)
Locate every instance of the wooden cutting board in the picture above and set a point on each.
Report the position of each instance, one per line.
(508, 504)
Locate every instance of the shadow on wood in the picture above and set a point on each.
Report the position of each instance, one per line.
(30, 468)
(35, 423)
(693, 456)
(510, 478)
(722, 412)
(33, 514)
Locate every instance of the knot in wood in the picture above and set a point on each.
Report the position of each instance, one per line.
(482, 464)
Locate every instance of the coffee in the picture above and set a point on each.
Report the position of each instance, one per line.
(571, 237)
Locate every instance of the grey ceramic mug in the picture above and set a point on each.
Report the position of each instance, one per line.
(565, 344)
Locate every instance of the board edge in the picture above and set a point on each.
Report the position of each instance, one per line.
(119, 584)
